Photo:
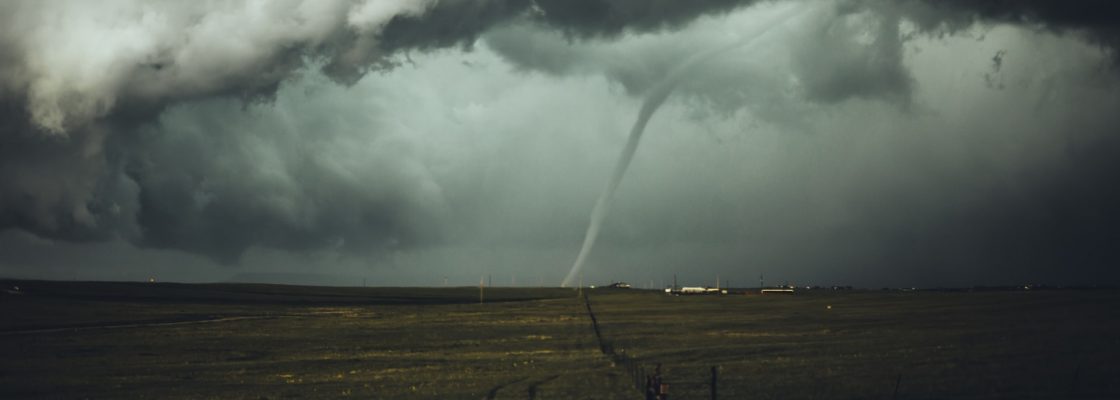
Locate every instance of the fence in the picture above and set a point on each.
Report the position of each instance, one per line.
(693, 380)
(652, 385)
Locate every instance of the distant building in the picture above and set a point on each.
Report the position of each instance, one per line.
(689, 290)
(778, 291)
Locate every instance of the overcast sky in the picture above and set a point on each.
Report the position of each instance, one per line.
(865, 142)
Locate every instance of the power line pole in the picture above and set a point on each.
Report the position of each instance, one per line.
(579, 293)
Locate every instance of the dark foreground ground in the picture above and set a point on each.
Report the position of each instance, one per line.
(133, 340)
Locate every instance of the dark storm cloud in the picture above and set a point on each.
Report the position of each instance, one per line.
(610, 17)
(852, 49)
(833, 66)
(198, 128)
(38, 176)
(281, 181)
(1099, 20)
(970, 222)
(82, 86)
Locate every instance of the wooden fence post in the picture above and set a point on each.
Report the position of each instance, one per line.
(897, 381)
(715, 381)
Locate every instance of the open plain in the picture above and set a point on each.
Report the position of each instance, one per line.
(140, 340)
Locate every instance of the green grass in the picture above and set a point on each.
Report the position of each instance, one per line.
(114, 340)
(446, 345)
(942, 345)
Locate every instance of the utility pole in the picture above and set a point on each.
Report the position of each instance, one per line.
(579, 293)
(480, 289)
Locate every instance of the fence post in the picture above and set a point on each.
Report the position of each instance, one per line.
(897, 381)
(643, 379)
(715, 381)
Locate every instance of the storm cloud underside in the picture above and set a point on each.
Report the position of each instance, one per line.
(876, 141)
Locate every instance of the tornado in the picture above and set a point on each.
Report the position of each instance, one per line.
(654, 99)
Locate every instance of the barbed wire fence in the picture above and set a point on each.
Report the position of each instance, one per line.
(651, 385)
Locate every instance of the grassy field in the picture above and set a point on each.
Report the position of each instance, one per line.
(133, 340)
(115, 340)
(829, 345)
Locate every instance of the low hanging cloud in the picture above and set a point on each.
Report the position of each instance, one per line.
(217, 128)
(83, 87)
